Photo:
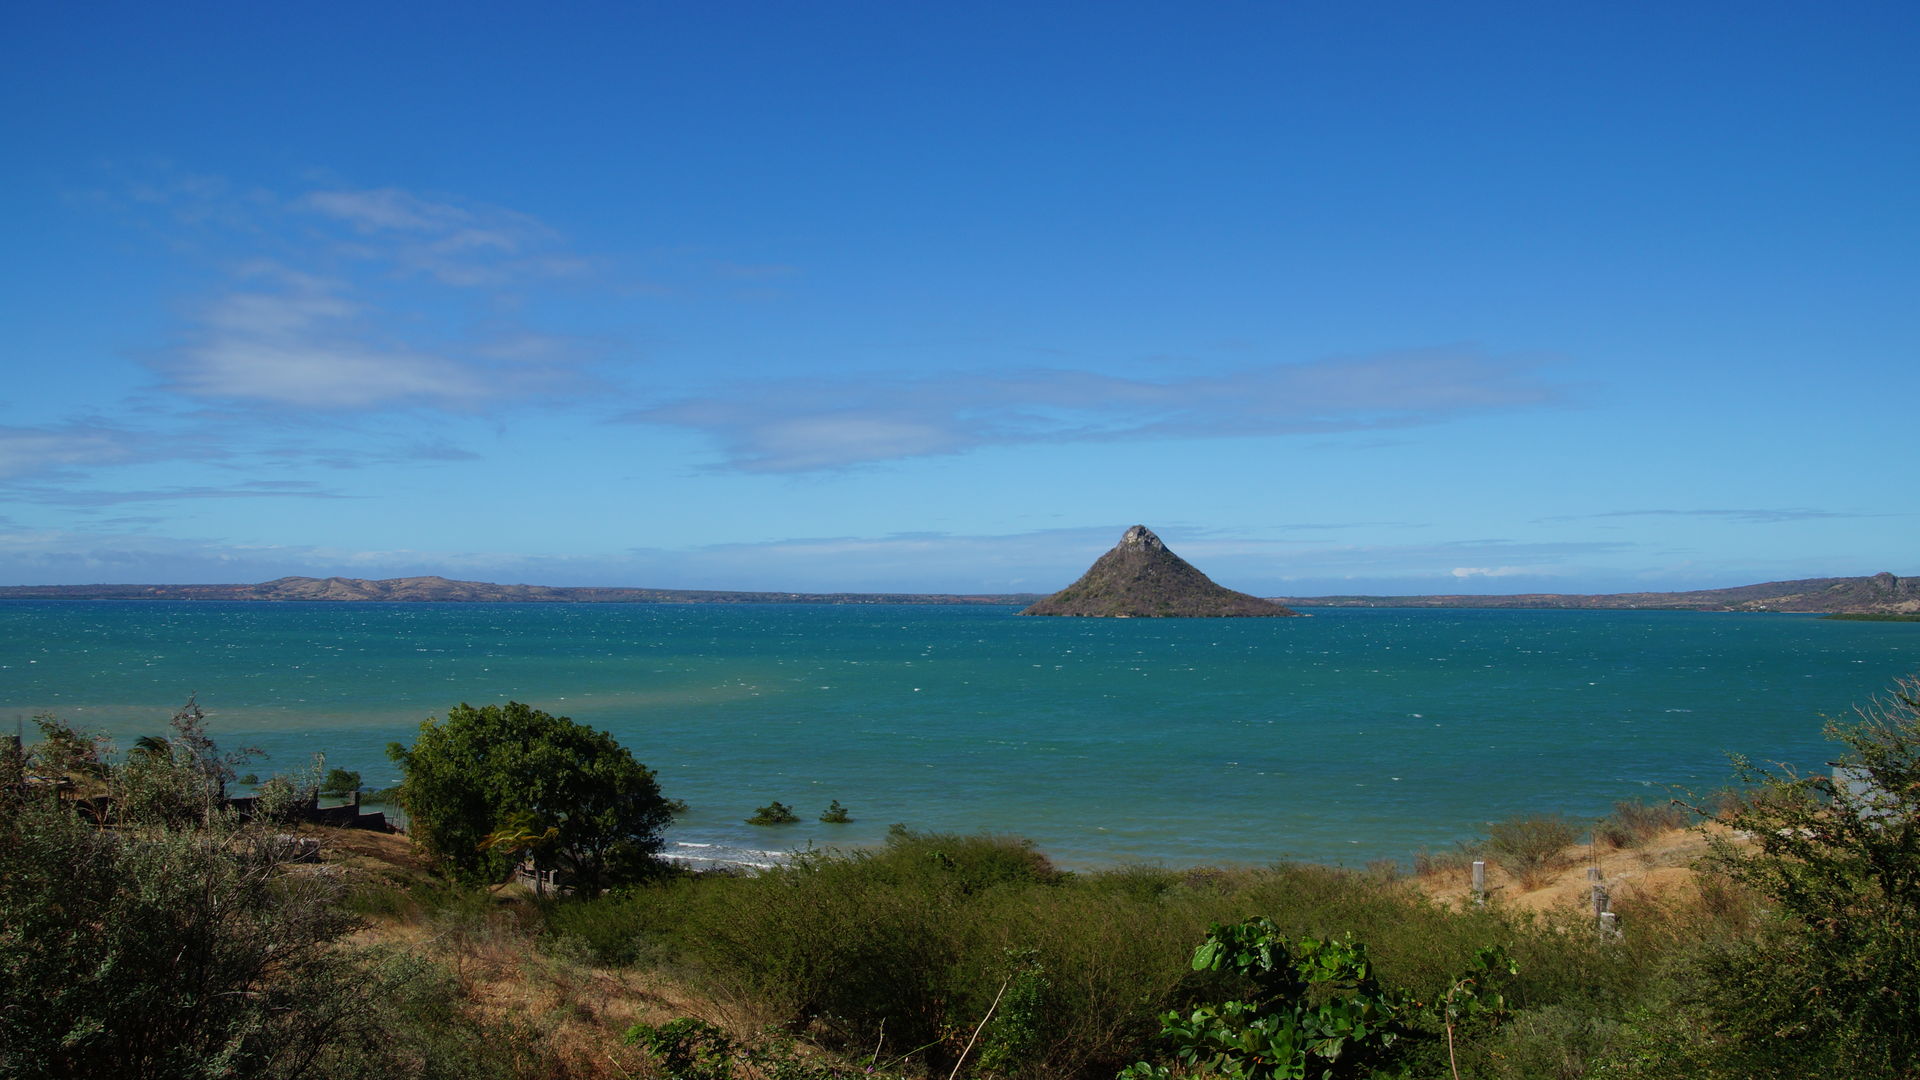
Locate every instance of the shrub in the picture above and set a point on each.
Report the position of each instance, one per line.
(1633, 823)
(1454, 860)
(836, 814)
(1529, 848)
(1831, 984)
(173, 944)
(774, 813)
(1314, 1006)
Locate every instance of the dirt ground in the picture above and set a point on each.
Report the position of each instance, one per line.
(1661, 865)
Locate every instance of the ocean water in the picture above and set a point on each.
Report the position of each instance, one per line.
(1354, 735)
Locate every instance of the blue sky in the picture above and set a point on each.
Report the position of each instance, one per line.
(1337, 298)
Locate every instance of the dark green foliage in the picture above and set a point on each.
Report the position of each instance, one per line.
(387, 796)
(688, 1049)
(171, 945)
(512, 767)
(774, 813)
(693, 1049)
(1013, 1037)
(1831, 985)
(836, 814)
(339, 783)
(1312, 1007)
(1315, 1007)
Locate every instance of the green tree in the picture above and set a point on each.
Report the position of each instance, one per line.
(340, 783)
(496, 769)
(1831, 984)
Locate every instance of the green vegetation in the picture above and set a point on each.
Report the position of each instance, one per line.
(1830, 983)
(774, 813)
(1872, 616)
(836, 814)
(181, 941)
(172, 944)
(340, 783)
(491, 785)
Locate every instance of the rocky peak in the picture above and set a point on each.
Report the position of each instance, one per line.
(1141, 578)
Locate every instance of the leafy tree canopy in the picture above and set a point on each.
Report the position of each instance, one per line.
(497, 770)
(340, 782)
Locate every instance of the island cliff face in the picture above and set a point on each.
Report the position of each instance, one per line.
(1140, 578)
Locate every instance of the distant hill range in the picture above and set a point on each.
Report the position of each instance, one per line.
(1881, 593)
(1141, 579)
(443, 590)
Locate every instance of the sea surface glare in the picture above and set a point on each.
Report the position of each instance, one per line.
(1354, 735)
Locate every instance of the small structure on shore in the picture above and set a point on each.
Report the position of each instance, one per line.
(1141, 578)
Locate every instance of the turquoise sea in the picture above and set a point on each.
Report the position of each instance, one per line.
(1353, 735)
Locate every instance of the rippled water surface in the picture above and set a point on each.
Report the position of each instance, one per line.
(1352, 735)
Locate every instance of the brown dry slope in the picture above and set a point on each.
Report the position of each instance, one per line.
(1663, 865)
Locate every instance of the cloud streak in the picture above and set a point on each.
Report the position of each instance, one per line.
(60, 448)
(808, 425)
(254, 489)
(1751, 517)
(465, 246)
(298, 341)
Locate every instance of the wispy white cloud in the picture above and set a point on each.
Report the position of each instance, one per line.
(347, 299)
(803, 425)
(60, 449)
(1751, 517)
(299, 350)
(292, 340)
(467, 245)
(252, 489)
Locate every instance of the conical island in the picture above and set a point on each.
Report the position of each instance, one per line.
(1140, 578)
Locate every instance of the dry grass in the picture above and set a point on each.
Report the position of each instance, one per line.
(1633, 823)
(1660, 866)
(562, 1016)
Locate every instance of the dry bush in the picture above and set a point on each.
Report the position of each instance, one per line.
(1530, 848)
(1633, 823)
(1455, 860)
